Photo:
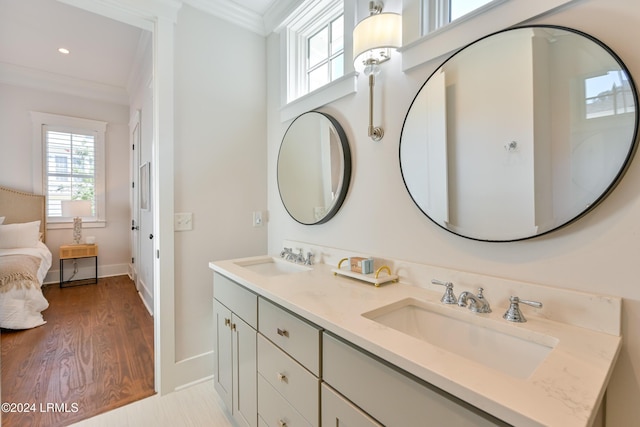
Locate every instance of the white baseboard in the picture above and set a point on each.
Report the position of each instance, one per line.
(192, 383)
(86, 272)
(193, 370)
(146, 295)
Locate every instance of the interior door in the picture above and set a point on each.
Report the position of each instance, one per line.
(144, 259)
(134, 161)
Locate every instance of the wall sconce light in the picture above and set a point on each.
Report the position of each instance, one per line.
(76, 209)
(373, 37)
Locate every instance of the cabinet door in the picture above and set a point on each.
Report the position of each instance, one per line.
(223, 367)
(245, 375)
(339, 412)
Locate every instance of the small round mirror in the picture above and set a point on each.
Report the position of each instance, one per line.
(314, 168)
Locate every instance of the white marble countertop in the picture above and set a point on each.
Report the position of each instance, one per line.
(565, 390)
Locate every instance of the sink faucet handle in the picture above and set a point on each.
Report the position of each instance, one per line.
(309, 259)
(514, 314)
(448, 297)
(535, 304)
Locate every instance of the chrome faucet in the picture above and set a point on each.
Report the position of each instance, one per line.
(477, 303)
(298, 258)
(514, 314)
(287, 253)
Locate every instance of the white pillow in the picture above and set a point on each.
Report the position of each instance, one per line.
(1, 219)
(22, 235)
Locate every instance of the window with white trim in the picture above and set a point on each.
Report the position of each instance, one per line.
(438, 13)
(73, 166)
(315, 46)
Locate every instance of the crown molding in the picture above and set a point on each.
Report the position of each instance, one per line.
(278, 12)
(231, 12)
(42, 80)
(139, 13)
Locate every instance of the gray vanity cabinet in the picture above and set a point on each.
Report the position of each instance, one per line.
(274, 368)
(390, 396)
(235, 323)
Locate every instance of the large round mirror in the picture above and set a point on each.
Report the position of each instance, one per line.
(519, 133)
(314, 168)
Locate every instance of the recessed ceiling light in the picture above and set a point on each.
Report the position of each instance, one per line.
(63, 51)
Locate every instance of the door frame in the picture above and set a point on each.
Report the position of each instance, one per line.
(159, 18)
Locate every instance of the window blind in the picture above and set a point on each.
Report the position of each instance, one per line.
(70, 168)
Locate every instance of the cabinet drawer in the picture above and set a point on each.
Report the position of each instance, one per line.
(390, 396)
(274, 410)
(339, 412)
(238, 299)
(297, 337)
(297, 385)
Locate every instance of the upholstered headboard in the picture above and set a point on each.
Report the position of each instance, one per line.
(17, 206)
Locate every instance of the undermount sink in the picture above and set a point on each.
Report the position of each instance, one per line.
(271, 266)
(495, 344)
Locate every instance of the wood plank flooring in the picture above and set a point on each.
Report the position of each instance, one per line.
(94, 354)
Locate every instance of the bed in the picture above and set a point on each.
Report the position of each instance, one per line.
(24, 259)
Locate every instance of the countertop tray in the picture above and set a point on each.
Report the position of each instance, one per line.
(374, 278)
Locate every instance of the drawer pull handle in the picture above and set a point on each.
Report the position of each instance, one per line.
(282, 423)
(283, 332)
(282, 378)
(227, 322)
(233, 326)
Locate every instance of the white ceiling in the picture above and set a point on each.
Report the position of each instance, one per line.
(103, 51)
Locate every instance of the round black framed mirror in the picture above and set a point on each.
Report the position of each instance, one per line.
(519, 133)
(314, 168)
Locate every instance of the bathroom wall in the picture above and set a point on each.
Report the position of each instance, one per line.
(220, 168)
(599, 253)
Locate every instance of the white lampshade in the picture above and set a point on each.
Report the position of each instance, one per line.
(76, 208)
(380, 31)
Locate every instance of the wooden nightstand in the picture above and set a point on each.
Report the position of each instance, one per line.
(75, 252)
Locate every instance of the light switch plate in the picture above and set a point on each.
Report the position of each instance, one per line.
(258, 219)
(183, 221)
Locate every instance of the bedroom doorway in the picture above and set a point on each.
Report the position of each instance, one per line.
(159, 19)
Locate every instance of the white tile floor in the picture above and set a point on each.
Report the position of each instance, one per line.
(194, 406)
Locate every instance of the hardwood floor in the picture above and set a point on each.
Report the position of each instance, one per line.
(94, 354)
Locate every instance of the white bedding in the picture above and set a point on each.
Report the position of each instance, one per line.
(20, 308)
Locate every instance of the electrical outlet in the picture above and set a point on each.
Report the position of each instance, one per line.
(258, 221)
(183, 221)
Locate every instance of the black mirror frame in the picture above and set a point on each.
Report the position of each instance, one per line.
(346, 176)
(614, 182)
